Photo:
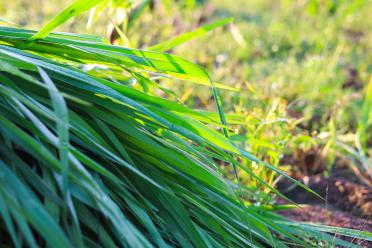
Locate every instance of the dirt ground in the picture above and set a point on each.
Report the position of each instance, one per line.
(347, 204)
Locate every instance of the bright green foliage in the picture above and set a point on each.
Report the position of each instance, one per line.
(88, 158)
(74, 9)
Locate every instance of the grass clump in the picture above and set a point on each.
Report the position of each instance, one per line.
(89, 160)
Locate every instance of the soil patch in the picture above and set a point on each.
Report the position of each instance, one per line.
(332, 217)
(337, 192)
(346, 204)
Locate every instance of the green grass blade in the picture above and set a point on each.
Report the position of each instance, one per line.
(74, 9)
(176, 41)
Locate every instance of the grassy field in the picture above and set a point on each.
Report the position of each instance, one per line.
(107, 136)
(299, 64)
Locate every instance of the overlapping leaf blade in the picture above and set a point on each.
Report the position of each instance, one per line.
(143, 167)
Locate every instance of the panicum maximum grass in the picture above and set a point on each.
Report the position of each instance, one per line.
(87, 160)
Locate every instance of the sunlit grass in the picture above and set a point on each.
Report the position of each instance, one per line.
(92, 156)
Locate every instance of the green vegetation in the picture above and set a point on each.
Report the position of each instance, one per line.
(107, 145)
